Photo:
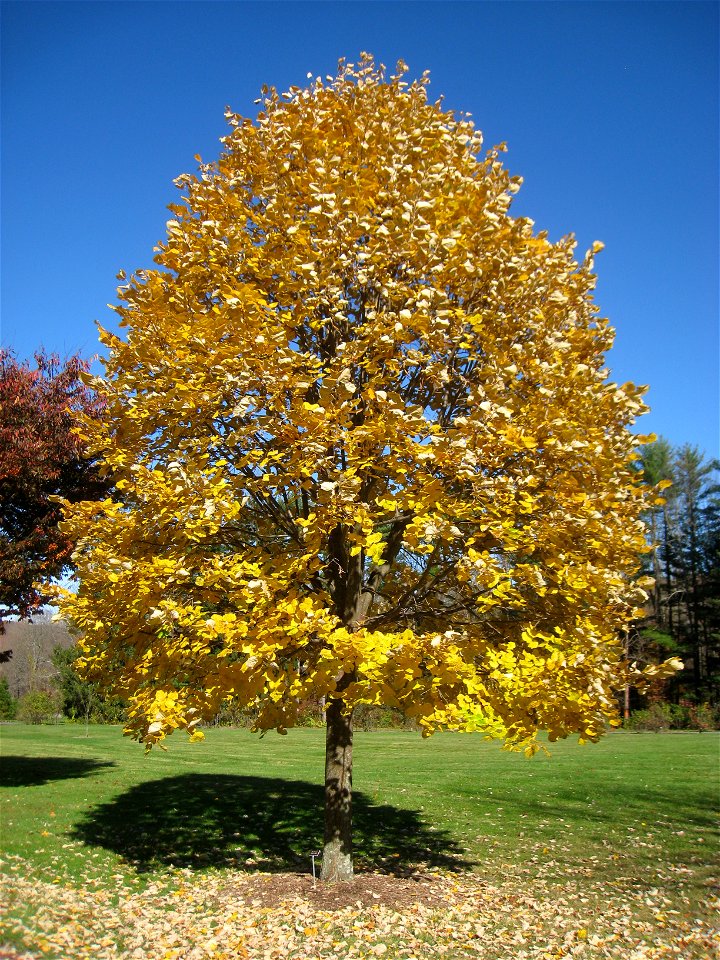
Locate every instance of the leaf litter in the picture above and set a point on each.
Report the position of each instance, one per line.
(235, 915)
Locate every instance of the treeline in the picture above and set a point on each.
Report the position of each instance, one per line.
(62, 694)
(682, 616)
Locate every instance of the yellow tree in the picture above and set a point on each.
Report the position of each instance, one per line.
(363, 445)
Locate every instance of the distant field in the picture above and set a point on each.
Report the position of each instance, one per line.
(622, 829)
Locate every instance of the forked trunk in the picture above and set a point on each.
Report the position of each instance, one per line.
(337, 853)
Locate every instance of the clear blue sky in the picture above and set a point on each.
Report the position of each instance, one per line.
(610, 112)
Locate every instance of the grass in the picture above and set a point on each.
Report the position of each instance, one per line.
(637, 812)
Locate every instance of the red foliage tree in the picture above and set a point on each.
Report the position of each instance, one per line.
(40, 457)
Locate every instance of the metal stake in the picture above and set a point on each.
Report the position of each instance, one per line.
(313, 854)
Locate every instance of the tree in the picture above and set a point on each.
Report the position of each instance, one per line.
(33, 641)
(710, 591)
(8, 705)
(363, 446)
(657, 464)
(696, 491)
(40, 458)
(79, 698)
(683, 526)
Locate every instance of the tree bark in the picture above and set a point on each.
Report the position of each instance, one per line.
(337, 854)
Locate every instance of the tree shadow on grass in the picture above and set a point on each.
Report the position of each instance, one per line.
(206, 820)
(18, 771)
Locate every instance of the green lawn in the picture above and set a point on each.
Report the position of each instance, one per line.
(635, 815)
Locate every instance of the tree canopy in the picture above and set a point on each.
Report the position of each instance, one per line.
(40, 458)
(362, 439)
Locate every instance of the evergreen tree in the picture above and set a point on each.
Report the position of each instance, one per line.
(8, 704)
(683, 616)
(692, 560)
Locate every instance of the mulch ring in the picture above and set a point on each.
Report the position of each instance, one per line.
(364, 890)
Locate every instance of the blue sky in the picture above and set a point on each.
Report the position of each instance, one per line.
(609, 110)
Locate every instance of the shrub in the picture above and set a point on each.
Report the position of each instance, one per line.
(657, 716)
(679, 715)
(369, 717)
(706, 716)
(672, 716)
(233, 714)
(38, 706)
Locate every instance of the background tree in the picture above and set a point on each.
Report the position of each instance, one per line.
(363, 446)
(657, 465)
(79, 698)
(8, 704)
(691, 557)
(33, 642)
(40, 458)
(684, 525)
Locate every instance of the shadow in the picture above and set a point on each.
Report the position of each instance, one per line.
(206, 820)
(35, 771)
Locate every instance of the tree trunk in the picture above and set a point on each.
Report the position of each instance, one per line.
(337, 854)
(352, 599)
